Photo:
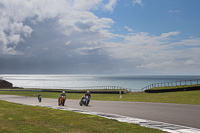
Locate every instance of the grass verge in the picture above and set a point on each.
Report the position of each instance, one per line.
(16, 118)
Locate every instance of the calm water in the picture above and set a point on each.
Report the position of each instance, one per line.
(134, 82)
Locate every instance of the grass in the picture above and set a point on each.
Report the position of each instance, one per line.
(183, 97)
(16, 118)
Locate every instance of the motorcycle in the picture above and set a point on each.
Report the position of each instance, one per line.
(39, 98)
(84, 101)
(61, 100)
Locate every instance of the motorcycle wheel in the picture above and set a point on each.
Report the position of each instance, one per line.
(87, 103)
(63, 103)
(58, 101)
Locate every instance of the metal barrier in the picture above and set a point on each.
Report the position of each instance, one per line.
(20, 90)
(94, 87)
(72, 88)
(173, 83)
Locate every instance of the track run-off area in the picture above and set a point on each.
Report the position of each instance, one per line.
(174, 118)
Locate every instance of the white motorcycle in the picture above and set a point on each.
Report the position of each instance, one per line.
(84, 101)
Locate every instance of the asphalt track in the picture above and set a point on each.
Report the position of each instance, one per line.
(179, 114)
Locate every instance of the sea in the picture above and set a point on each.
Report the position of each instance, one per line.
(131, 82)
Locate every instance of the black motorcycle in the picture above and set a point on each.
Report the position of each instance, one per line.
(84, 101)
(39, 98)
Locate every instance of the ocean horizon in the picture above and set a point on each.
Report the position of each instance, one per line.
(75, 81)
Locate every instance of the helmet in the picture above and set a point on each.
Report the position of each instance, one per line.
(63, 92)
(88, 92)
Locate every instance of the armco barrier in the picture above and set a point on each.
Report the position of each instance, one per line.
(59, 91)
(93, 92)
(172, 83)
(173, 90)
(20, 90)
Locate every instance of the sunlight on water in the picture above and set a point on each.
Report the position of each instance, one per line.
(134, 82)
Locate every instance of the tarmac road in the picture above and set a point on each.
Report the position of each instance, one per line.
(179, 114)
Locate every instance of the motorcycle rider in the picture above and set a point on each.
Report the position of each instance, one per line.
(88, 94)
(40, 98)
(62, 94)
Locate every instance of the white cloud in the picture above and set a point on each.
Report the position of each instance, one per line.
(139, 46)
(85, 4)
(68, 42)
(110, 5)
(156, 53)
(189, 42)
(153, 65)
(87, 34)
(129, 29)
(189, 62)
(14, 39)
(14, 13)
(174, 11)
(170, 34)
(73, 16)
(137, 2)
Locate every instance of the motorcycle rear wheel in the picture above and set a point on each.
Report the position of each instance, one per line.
(63, 103)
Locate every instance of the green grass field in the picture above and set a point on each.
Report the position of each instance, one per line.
(183, 97)
(16, 118)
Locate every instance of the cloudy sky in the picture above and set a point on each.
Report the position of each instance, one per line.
(99, 37)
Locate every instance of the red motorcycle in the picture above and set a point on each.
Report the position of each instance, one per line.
(61, 101)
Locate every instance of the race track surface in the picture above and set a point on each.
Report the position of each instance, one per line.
(180, 114)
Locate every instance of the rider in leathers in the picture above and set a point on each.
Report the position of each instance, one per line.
(62, 94)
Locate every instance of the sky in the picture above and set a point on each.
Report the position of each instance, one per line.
(100, 37)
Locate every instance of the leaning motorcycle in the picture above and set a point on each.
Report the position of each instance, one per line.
(84, 101)
(39, 98)
(61, 100)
